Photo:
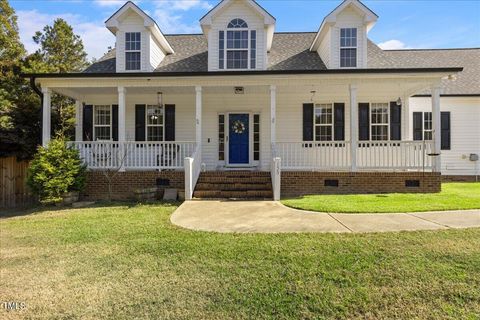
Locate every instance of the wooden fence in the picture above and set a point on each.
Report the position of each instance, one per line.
(13, 188)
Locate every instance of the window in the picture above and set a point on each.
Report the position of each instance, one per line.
(102, 122)
(348, 47)
(427, 126)
(154, 123)
(323, 122)
(221, 137)
(379, 121)
(256, 137)
(237, 46)
(132, 50)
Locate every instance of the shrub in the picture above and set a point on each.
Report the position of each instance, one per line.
(55, 170)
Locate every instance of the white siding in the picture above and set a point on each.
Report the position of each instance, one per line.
(156, 54)
(325, 48)
(240, 10)
(151, 55)
(348, 18)
(465, 132)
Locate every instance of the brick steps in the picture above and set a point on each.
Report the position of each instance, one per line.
(233, 184)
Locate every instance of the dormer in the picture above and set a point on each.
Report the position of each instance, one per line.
(140, 45)
(239, 35)
(341, 40)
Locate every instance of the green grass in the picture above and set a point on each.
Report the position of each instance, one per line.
(454, 196)
(128, 261)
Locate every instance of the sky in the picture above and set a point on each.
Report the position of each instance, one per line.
(402, 24)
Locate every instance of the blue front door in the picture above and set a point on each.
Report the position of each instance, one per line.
(238, 144)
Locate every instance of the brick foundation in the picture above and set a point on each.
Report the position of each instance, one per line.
(297, 183)
(124, 183)
(458, 178)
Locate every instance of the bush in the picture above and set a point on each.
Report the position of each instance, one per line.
(55, 170)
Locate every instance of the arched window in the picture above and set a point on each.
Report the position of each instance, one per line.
(237, 23)
(237, 48)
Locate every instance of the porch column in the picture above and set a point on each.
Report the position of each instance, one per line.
(273, 106)
(353, 126)
(121, 128)
(198, 116)
(46, 120)
(78, 121)
(121, 114)
(406, 133)
(436, 127)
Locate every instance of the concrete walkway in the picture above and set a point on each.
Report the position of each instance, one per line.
(273, 217)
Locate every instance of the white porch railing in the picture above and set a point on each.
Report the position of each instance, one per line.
(371, 155)
(193, 166)
(134, 154)
(326, 155)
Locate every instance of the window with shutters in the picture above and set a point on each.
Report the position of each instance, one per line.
(323, 122)
(237, 46)
(102, 122)
(132, 50)
(379, 121)
(427, 126)
(348, 47)
(154, 123)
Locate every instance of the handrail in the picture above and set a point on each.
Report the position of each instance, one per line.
(193, 167)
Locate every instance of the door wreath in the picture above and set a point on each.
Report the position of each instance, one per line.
(238, 127)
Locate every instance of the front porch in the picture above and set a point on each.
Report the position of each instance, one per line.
(292, 124)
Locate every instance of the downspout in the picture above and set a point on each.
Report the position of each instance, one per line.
(40, 94)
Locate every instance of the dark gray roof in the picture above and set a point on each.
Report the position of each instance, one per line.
(290, 51)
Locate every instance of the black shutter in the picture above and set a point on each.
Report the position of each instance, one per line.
(395, 121)
(308, 122)
(115, 122)
(363, 121)
(445, 130)
(139, 122)
(169, 122)
(339, 121)
(87, 123)
(417, 126)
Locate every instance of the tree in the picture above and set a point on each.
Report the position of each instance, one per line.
(19, 106)
(56, 170)
(61, 51)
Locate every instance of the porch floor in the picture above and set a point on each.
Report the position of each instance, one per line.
(273, 217)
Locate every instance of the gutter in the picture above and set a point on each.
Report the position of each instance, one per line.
(40, 94)
(235, 73)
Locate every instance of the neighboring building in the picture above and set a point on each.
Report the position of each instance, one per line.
(240, 106)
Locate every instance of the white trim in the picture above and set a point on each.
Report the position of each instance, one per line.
(94, 125)
(379, 124)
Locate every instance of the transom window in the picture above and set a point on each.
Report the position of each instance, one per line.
(132, 50)
(237, 23)
(102, 122)
(427, 126)
(379, 116)
(237, 48)
(323, 122)
(348, 47)
(154, 123)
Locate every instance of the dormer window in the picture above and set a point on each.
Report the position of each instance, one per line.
(348, 47)
(238, 49)
(132, 50)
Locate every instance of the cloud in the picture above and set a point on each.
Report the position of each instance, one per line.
(96, 38)
(109, 3)
(169, 15)
(393, 45)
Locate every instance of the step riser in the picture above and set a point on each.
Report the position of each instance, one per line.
(234, 184)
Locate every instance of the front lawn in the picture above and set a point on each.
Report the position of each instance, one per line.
(454, 196)
(128, 261)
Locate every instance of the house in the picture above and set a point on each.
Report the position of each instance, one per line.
(243, 111)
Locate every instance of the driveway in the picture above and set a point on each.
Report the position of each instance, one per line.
(273, 217)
